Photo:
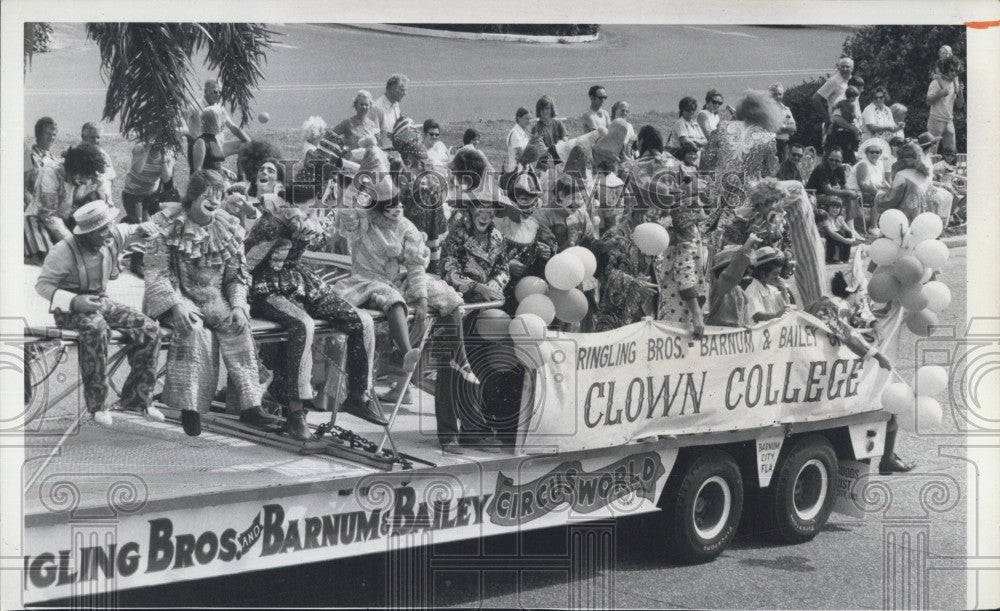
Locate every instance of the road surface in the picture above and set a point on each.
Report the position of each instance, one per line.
(316, 70)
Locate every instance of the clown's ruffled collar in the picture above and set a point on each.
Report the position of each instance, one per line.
(207, 245)
(522, 232)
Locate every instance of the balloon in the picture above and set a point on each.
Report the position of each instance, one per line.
(883, 287)
(926, 226)
(884, 251)
(586, 257)
(893, 224)
(912, 298)
(931, 380)
(530, 285)
(875, 232)
(928, 272)
(929, 412)
(571, 306)
(564, 271)
(898, 398)
(539, 305)
(263, 117)
(526, 327)
(938, 295)
(921, 322)
(932, 253)
(651, 238)
(493, 324)
(908, 270)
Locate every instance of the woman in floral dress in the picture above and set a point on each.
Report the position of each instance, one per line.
(741, 152)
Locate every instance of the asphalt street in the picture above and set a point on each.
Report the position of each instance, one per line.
(316, 69)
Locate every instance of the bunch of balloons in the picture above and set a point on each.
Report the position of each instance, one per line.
(540, 302)
(912, 406)
(907, 256)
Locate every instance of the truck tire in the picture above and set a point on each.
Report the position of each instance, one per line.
(801, 493)
(702, 507)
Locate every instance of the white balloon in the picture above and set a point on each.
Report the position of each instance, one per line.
(651, 238)
(527, 327)
(928, 272)
(893, 224)
(897, 398)
(926, 413)
(926, 226)
(932, 253)
(929, 412)
(931, 380)
(938, 296)
(586, 257)
(884, 251)
(564, 271)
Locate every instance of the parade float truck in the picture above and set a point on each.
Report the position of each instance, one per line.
(646, 418)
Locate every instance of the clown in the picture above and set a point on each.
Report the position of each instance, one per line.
(196, 280)
(388, 273)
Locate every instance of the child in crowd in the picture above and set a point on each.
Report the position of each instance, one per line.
(844, 131)
(767, 296)
(727, 302)
(837, 232)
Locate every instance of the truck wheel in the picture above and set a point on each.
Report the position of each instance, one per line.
(801, 495)
(703, 507)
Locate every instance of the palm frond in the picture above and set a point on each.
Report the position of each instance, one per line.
(149, 71)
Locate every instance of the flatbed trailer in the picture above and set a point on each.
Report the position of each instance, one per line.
(142, 504)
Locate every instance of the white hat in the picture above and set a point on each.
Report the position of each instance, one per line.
(93, 216)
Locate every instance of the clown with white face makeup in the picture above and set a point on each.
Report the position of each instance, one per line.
(388, 273)
(196, 281)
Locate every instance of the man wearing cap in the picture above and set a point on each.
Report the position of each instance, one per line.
(386, 111)
(74, 280)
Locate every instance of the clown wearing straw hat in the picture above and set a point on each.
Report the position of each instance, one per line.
(74, 279)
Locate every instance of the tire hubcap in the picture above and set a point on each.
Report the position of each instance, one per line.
(712, 506)
(809, 492)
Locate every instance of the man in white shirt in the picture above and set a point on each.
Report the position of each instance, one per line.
(834, 88)
(385, 111)
(596, 116)
(943, 96)
(213, 96)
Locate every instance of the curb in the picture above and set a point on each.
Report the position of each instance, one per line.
(400, 29)
(955, 241)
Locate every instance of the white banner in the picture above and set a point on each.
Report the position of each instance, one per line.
(649, 378)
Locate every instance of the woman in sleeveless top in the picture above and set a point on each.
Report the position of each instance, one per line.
(208, 152)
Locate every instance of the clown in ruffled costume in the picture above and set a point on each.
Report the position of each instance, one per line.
(388, 272)
(197, 281)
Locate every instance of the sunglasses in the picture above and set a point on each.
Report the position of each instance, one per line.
(716, 101)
